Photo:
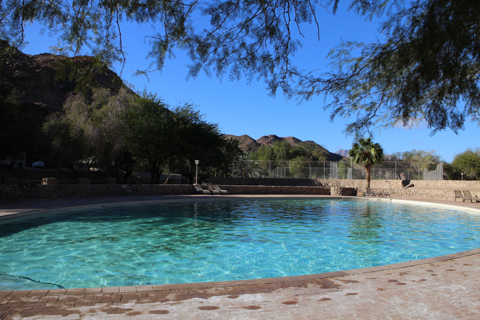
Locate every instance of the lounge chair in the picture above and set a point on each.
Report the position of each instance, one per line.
(220, 190)
(200, 189)
(211, 189)
(459, 195)
(468, 196)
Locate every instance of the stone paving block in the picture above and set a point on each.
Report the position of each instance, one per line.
(144, 288)
(160, 288)
(75, 291)
(56, 292)
(38, 292)
(19, 293)
(177, 286)
(110, 289)
(92, 290)
(128, 289)
(206, 285)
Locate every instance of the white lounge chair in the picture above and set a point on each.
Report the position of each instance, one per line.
(211, 189)
(458, 195)
(200, 189)
(220, 190)
(468, 196)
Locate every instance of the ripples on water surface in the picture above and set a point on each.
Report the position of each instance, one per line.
(174, 242)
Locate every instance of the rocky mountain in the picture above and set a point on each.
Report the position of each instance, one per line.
(342, 152)
(248, 144)
(44, 82)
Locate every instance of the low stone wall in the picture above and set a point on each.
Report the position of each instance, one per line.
(238, 189)
(105, 190)
(360, 185)
(442, 190)
(85, 190)
(338, 191)
(8, 192)
(422, 189)
(263, 181)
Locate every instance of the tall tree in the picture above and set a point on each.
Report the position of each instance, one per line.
(68, 144)
(100, 119)
(231, 155)
(468, 163)
(150, 133)
(417, 156)
(159, 136)
(366, 153)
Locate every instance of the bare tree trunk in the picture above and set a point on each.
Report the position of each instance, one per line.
(368, 178)
(153, 173)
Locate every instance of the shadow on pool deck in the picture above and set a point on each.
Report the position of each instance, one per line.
(438, 288)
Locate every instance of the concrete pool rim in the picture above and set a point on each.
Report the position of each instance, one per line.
(239, 286)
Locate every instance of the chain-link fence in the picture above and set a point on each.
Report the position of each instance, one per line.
(387, 170)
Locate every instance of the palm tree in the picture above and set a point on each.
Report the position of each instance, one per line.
(366, 153)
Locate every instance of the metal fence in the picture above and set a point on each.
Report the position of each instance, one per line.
(387, 170)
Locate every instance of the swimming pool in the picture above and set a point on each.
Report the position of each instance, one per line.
(198, 241)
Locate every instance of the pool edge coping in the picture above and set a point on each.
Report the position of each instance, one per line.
(243, 286)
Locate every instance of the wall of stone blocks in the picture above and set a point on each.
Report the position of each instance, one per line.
(422, 189)
(105, 190)
(263, 181)
(239, 189)
(395, 184)
(85, 190)
(8, 192)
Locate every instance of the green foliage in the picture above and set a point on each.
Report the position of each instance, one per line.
(68, 143)
(367, 154)
(343, 166)
(416, 156)
(150, 133)
(97, 122)
(15, 134)
(175, 138)
(468, 163)
(284, 151)
(238, 37)
(231, 156)
(426, 68)
(298, 167)
(419, 158)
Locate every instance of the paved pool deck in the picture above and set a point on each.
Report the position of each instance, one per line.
(446, 287)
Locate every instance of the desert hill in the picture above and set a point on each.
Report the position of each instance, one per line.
(44, 82)
(248, 144)
(342, 152)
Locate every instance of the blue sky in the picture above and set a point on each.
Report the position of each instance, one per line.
(239, 108)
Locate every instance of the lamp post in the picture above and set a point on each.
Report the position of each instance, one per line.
(196, 171)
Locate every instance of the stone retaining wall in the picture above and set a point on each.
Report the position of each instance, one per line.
(396, 184)
(338, 191)
(238, 189)
(422, 189)
(105, 190)
(74, 190)
(8, 192)
(263, 181)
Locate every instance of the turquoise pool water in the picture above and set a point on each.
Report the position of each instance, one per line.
(175, 242)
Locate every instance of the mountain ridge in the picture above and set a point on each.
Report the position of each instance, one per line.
(248, 144)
